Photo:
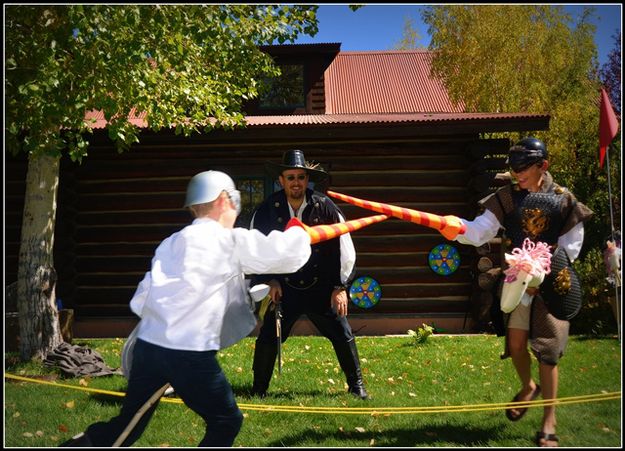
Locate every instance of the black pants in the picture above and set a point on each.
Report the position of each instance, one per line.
(317, 306)
(197, 379)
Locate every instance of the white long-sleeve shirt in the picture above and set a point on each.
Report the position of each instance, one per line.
(485, 227)
(194, 296)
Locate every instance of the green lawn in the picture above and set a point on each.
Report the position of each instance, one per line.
(443, 373)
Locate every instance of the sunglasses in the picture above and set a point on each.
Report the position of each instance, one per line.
(291, 177)
(235, 197)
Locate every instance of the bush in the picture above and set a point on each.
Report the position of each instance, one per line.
(422, 334)
(596, 316)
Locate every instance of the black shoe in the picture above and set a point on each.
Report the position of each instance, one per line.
(78, 441)
(359, 391)
(260, 393)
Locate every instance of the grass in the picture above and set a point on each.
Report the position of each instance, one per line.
(443, 371)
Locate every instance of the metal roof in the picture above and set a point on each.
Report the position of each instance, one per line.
(385, 82)
(317, 120)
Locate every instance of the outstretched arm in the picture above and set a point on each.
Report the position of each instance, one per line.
(479, 231)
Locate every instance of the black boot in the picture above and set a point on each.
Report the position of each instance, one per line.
(264, 361)
(347, 355)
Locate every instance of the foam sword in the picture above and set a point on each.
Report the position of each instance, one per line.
(449, 226)
(325, 232)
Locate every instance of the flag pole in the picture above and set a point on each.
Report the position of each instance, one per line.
(617, 300)
(607, 160)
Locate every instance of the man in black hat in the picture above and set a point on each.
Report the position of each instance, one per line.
(533, 206)
(318, 289)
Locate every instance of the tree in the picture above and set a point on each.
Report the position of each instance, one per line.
(410, 37)
(610, 73)
(188, 67)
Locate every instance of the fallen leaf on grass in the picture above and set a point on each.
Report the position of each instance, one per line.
(27, 434)
(70, 404)
(360, 429)
(63, 428)
(39, 433)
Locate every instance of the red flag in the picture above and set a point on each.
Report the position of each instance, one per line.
(608, 125)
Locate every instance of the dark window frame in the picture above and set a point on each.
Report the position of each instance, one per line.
(264, 106)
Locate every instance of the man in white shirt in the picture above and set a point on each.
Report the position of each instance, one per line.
(192, 303)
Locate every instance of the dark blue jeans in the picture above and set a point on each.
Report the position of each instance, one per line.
(197, 379)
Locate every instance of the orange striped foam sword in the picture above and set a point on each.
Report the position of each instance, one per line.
(325, 232)
(449, 226)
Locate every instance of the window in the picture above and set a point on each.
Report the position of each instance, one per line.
(286, 91)
(252, 194)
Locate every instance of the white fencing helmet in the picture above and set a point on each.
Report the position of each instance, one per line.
(208, 185)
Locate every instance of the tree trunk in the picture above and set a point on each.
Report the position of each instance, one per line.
(36, 277)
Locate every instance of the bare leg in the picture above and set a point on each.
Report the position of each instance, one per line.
(549, 382)
(522, 361)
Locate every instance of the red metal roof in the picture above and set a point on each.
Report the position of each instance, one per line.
(303, 120)
(385, 82)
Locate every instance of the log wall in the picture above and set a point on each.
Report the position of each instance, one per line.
(114, 210)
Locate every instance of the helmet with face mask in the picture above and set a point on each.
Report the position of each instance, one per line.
(208, 185)
(525, 153)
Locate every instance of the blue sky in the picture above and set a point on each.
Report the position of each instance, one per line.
(379, 27)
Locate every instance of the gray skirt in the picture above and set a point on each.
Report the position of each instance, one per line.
(548, 335)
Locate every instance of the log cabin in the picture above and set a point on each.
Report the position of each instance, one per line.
(379, 124)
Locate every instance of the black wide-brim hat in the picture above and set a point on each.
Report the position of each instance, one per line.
(294, 159)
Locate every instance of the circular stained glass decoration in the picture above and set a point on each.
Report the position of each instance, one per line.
(444, 259)
(365, 292)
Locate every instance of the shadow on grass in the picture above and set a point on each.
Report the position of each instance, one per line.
(245, 392)
(447, 435)
(593, 337)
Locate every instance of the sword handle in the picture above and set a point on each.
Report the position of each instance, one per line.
(278, 311)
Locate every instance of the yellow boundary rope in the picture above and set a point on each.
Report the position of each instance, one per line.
(363, 410)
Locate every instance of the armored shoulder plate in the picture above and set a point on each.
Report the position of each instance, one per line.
(561, 289)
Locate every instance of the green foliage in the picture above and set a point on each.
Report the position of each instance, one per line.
(421, 335)
(186, 66)
(596, 316)
(411, 39)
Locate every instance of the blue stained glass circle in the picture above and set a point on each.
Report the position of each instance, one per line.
(444, 259)
(365, 292)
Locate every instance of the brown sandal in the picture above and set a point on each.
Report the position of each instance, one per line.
(542, 439)
(521, 411)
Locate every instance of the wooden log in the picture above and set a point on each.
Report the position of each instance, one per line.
(487, 280)
(484, 264)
